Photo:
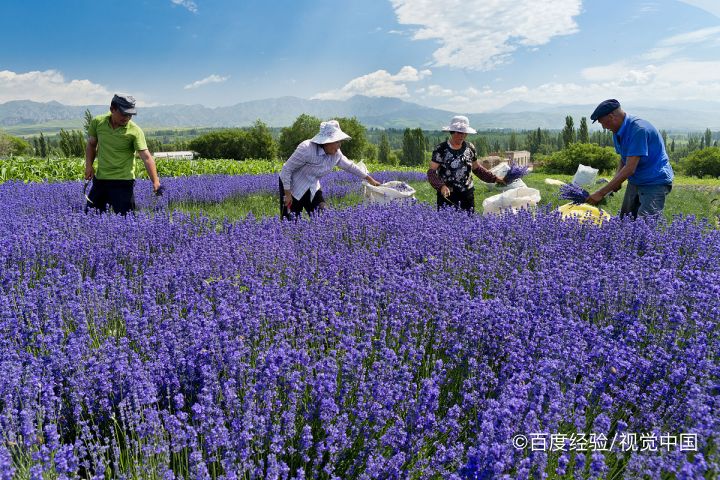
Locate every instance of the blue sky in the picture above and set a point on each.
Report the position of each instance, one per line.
(465, 56)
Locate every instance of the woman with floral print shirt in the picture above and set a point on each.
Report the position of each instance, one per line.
(451, 164)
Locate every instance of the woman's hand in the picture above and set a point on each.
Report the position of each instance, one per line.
(372, 181)
(445, 191)
(288, 199)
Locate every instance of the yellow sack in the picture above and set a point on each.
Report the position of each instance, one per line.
(584, 212)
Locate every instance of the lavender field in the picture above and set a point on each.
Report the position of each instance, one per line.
(373, 342)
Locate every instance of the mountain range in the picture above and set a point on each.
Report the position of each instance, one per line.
(25, 117)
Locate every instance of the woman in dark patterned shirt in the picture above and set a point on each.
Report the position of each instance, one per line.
(451, 164)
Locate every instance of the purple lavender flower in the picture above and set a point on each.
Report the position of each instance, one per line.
(574, 193)
(257, 347)
(515, 172)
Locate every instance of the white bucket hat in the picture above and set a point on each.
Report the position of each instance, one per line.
(460, 124)
(329, 133)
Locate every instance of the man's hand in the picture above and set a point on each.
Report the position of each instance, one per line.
(445, 191)
(89, 172)
(156, 186)
(288, 200)
(594, 198)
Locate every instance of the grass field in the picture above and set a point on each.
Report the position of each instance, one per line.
(690, 196)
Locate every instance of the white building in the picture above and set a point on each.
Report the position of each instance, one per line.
(518, 157)
(175, 155)
(515, 157)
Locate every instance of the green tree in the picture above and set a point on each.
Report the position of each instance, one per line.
(43, 146)
(583, 133)
(355, 147)
(371, 152)
(413, 147)
(384, 149)
(72, 143)
(568, 133)
(513, 143)
(260, 143)
(708, 137)
(664, 135)
(481, 146)
(154, 145)
(10, 145)
(567, 160)
(703, 162)
(304, 127)
(230, 144)
(88, 118)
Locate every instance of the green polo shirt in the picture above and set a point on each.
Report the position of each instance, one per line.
(116, 148)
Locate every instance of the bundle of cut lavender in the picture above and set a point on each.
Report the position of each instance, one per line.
(515, 172)
(574, 193)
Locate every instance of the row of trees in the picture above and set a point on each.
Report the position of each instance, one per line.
(699, 156)
(258, 142)
(558, 152)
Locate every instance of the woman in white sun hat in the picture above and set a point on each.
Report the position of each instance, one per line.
(451, 164)
(313, 159)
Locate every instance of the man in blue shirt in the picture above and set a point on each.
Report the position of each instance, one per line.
(643, 162)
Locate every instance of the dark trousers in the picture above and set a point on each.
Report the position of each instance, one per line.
(118, 194)
(644, 200)
(298, 205)
(461, 200)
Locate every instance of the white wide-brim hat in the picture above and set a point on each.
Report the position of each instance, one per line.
(329, 133)
(460, 124)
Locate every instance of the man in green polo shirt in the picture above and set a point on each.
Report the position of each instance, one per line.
(113, 139)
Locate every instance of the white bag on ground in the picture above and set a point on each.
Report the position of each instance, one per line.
(554, 181)
(516, 184)
(388, 191)
(585, 175)
(515, 199)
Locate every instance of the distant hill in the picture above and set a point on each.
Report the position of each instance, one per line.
(24, 117)
(27, 117)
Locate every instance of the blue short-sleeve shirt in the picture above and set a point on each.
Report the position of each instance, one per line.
(638, 138)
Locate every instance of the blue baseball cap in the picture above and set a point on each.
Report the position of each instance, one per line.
(608, 106)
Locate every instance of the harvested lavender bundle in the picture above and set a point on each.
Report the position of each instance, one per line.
(515, 172)
(574, 193)
(401, 187)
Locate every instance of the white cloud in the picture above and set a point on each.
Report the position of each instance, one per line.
(481, 34)
(377, 84)
(660, 53)
(207, 80)
(51, 85)
(711, 6)
(666, 48)
(672, 81)
(438, 91)
(188, 4)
